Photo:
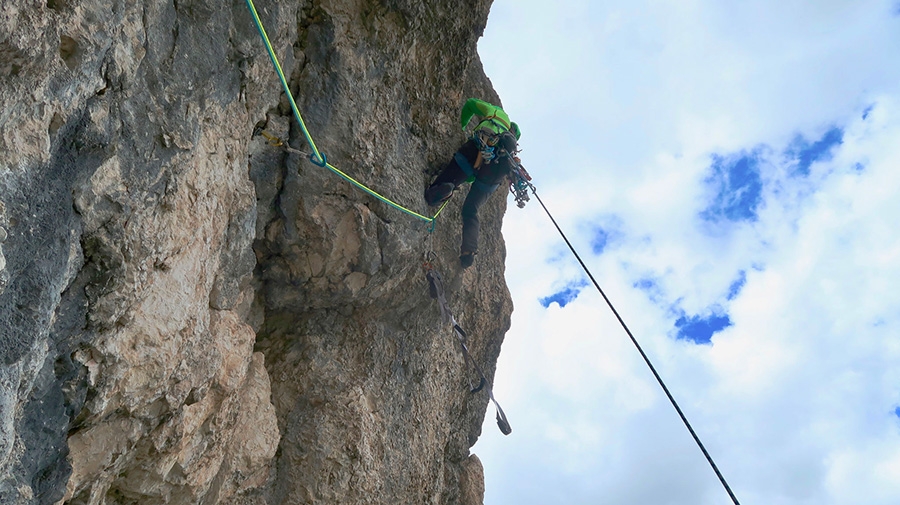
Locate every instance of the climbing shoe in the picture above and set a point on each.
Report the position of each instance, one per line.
(466, 259)
(439, 193)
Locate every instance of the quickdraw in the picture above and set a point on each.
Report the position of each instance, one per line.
(519, 183)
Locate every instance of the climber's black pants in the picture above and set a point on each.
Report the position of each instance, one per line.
(470, 225)
(449, 179)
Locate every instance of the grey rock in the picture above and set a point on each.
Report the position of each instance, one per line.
(190, 314)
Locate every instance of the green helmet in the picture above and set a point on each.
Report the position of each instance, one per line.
(513, 127)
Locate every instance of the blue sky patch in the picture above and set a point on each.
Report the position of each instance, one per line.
(604, 231)
(738, 186)
(650, 287)
(805, 154)
(897, 412)
(865, 114)
(647, 285)
(565, 295)
(735, 288)
(600, 241)
(700, 330)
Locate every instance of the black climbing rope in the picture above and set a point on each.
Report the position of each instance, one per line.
(662, 384)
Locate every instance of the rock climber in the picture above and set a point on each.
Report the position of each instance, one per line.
(485, 160)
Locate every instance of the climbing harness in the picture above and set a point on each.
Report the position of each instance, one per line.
(317, 157)
(436, 291)
(490, 148)
(639, 349)
(487, 143)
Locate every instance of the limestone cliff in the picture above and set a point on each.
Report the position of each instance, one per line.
(190, 314)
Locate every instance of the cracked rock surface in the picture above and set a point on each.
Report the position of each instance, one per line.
(190, 314)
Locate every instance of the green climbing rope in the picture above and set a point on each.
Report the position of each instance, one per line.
(317, 157)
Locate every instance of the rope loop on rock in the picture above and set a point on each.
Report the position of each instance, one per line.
(317, 157)
(319, 160)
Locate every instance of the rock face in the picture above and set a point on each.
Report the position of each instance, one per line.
(190, 314)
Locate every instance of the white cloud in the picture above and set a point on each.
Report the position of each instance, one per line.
(622, 106)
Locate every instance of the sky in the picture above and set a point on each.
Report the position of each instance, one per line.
(730, 173)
